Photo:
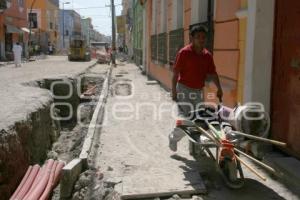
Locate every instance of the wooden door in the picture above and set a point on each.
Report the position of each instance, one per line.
(286, 75)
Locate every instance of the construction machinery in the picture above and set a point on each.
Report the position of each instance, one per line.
(79, 51)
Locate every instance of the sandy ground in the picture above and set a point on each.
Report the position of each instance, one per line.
(135, 151)
(18, 100)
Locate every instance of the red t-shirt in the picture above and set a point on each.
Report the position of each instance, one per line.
(193, 68)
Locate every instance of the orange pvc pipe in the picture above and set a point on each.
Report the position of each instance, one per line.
(48, 188)
(22, 183)
(38, 190)
(54, 181)
(58, 172)
(28, 183)
(36, 182)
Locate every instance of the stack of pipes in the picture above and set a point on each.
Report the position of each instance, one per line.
(38, 182)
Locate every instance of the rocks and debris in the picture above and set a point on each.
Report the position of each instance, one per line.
(111, 182)
(109, 168)
(81, 186)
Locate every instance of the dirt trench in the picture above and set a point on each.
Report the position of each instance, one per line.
(42, 135)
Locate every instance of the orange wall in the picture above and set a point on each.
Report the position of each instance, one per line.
(15, 16)
(42, 5)
(187, 7)
(226, 49)
(18, 16)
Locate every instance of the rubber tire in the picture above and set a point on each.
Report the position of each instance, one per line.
(231, 168)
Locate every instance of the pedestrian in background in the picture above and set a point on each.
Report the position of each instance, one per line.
(50, 48)
(17, 50)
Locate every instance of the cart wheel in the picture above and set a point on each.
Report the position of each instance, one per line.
(230, 170)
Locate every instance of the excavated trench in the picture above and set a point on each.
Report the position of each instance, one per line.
(52, 131)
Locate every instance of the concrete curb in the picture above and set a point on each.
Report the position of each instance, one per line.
(87, 145)
(70, 174)
(73, 169)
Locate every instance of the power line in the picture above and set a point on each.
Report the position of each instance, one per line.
(95, 7)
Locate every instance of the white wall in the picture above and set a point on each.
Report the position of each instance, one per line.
(163, 16)
(199, 11)
(177, 12)
(258, 67)
(154, 17)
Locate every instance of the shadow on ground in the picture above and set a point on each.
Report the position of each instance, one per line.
(216, 188)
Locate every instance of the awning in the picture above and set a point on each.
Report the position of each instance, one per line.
(12, 29)
(25, 30)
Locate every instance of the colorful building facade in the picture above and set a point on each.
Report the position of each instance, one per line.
(127, 11)
(86, 27)
(70, 26)
(43, 16)
(13, 27)
(138, 32)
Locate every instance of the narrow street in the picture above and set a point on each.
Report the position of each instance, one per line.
(149, 100)
(130, 157)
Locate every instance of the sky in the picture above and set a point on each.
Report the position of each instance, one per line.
(97, 10)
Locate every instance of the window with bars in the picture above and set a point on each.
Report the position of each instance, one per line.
(3, 4)
(176, 42)
(162, 48)
(154, 47)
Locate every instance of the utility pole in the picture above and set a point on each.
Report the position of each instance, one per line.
(113, 56)
(63, 10)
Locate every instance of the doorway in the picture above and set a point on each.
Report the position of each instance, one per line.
(286, 75)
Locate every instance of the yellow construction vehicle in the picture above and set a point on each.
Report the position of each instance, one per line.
(79, 50)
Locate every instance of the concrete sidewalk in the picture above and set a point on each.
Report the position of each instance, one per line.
(17, 99)
(134, 151)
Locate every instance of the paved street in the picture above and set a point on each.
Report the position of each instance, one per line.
(18, 99)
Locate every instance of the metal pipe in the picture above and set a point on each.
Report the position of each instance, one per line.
(256, 161)
(113, 59)
(251, 168)
(260, 139)
(208, 135)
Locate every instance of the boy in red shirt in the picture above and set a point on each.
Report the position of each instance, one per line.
(194, 64)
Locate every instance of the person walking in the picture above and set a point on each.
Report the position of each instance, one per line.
(193, 66)
(50, 49)
(17, 50)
